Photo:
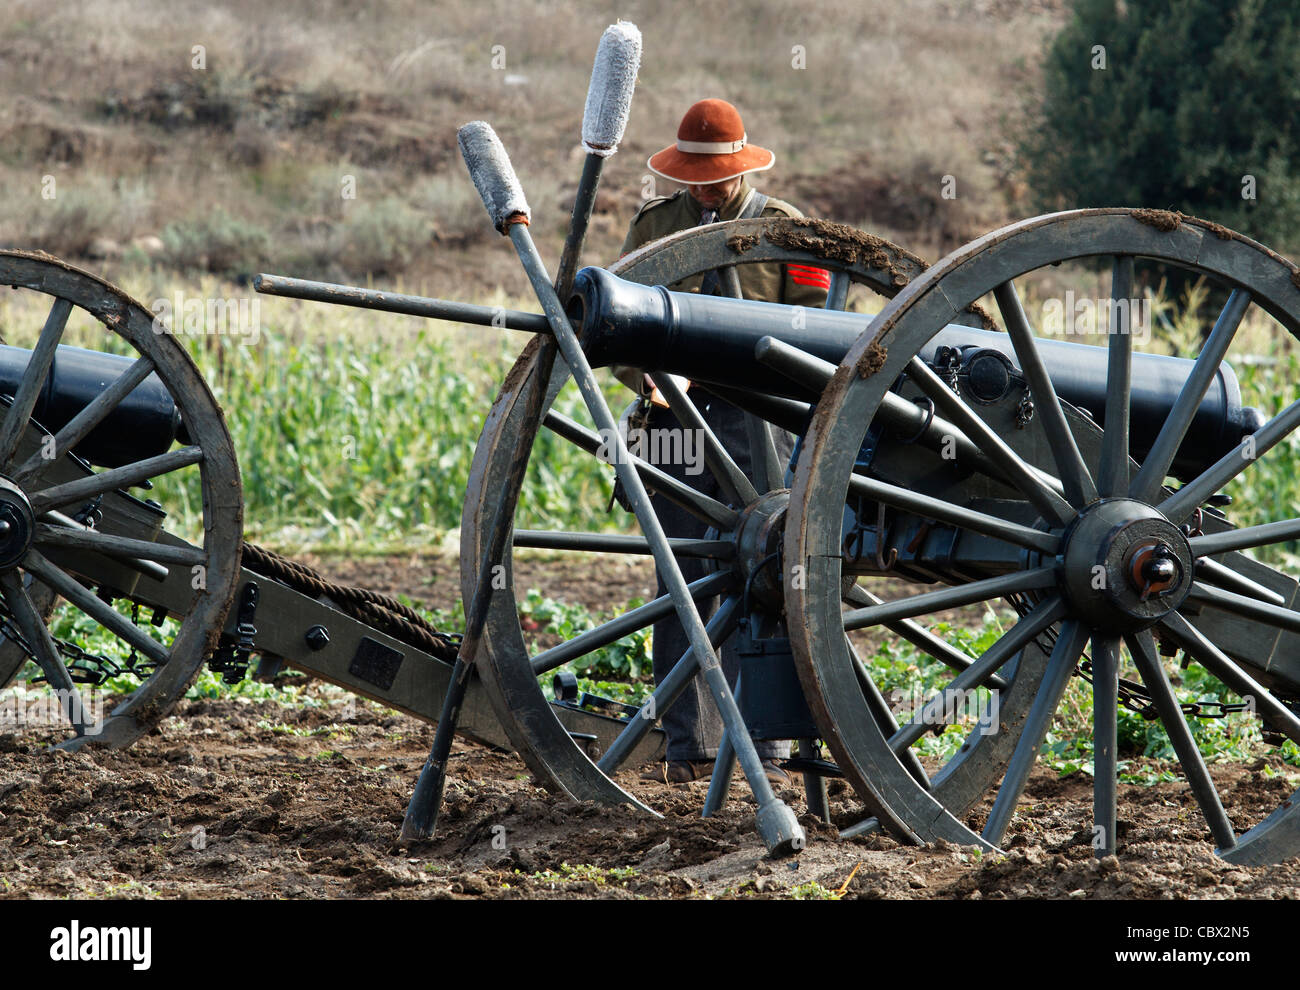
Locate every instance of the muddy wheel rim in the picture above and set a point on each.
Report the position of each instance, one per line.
(208, 469)
(505, 664)
(1261, 278)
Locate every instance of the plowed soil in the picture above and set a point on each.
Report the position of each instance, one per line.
(254, 799)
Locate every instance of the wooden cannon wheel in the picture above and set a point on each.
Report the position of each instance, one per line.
(1229, 614)
(511, 675)
(46, 551)
(14, 655)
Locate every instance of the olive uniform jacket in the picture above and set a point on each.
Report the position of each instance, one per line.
(794, 285)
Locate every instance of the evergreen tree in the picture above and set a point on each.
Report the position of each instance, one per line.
(1190, 105)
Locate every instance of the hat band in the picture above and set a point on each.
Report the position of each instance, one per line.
(712, 147)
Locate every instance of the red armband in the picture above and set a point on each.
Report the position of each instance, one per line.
(804, 275)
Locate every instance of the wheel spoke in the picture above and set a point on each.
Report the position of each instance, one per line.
(1223, 576)
(1034, 579)
(1179, 505)
(1250, 608)
(1053, 507)
(837, 297)
(1146, 484)
(721, 464)
(1060, 666)
(1105, 740)
(1210, 544)
(1077, 481)
(918, 636)
(1142, 649)
(879, 709)
(981, 673)
(42, 644)
(769, 475)
(1113, 472)
(730, 279)
(625, 624)
(611, 543)
(722, 625)
(724, 764)
(38, 369)
(1217, 663)
(701, 506)
(107, 481)
(956, 515)
(101, 612)
(117, 546)
(76, 429)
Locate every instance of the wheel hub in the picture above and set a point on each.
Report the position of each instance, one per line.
(17, 524)
(1126, 565)
(758, 546)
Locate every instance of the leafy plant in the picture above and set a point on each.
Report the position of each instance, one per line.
(1134, 112)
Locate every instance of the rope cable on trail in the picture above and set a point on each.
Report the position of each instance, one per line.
(380, 611)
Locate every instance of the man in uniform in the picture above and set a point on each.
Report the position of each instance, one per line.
(711, 158)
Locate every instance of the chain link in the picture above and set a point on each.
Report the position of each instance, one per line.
(1136, 698)
(83, 667)
(1132, 695)
(947, 362)
(1025, 411)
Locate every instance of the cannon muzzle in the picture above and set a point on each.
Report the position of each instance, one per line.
(712, 339)
(145, 423)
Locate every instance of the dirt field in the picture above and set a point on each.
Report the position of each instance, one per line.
(258, 800)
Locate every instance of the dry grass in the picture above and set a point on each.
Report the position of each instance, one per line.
(240, 166)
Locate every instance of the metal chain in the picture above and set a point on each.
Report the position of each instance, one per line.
(1025, 411)
(1136, 698)
(947, 362)
(83, 667)
(1132, 695)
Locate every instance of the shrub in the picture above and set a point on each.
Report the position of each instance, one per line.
(381, 238)
(218, 242)
(1194, 96)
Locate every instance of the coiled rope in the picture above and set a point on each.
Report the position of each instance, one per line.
(374, 609)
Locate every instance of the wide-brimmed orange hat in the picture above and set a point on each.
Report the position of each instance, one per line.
(712, 146)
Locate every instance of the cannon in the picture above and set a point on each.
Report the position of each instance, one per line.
(997, 521)
(705, 338)
(949, 463)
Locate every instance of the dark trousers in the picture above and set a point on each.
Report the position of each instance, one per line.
(692, 723)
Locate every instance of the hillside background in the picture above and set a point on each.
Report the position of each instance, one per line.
(240, 166)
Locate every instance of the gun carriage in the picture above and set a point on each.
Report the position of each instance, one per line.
(1083, 489)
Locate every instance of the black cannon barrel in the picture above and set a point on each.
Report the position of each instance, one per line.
(145, 423)
(712, 339)
(1078, 373)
